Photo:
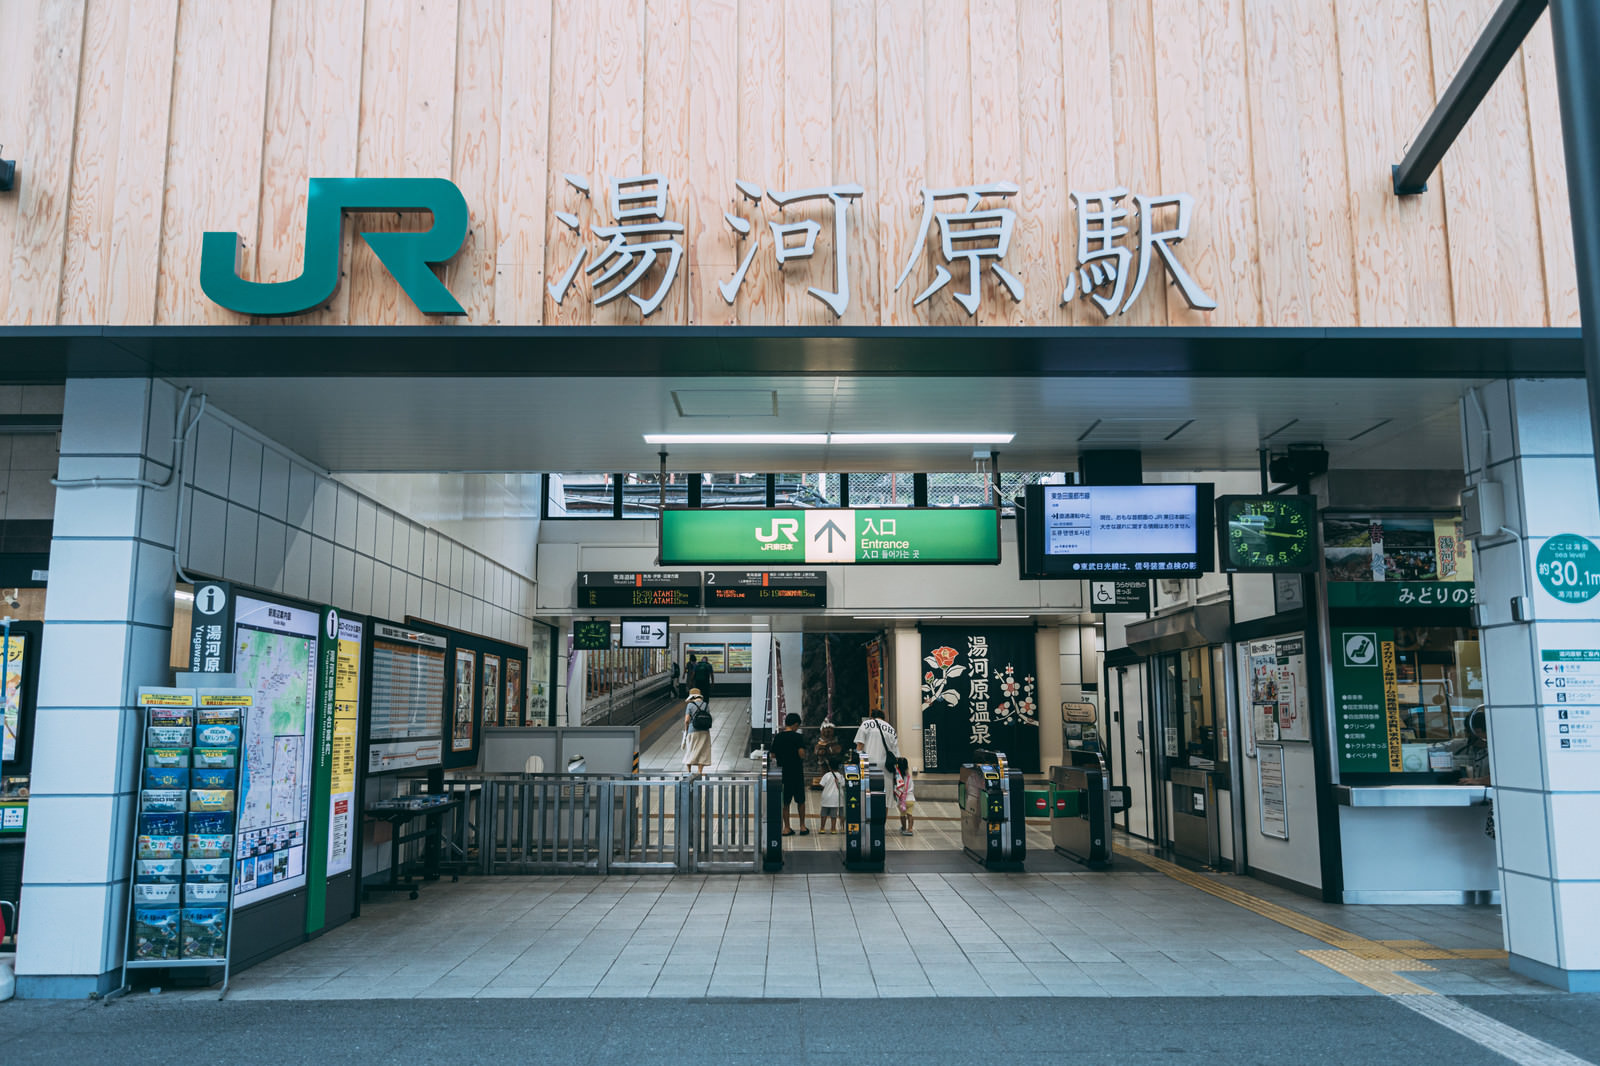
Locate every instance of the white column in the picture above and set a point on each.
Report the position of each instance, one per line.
(1546, 795)
(108, 623)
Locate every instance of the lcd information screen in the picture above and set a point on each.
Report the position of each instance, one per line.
(408, 694)
(766, 589)
(1086, 531)
(657, 588)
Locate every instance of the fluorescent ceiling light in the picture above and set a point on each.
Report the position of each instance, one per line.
(920, 438)
(736, 438)
(828, 438)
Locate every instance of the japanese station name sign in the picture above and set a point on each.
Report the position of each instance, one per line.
(833, 536)
(968, 224)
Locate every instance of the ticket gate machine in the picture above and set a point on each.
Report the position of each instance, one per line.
(865, 810)
(994, 812)
(772, 817)
(1086, 786)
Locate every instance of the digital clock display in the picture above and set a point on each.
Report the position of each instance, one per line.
(1267, 534)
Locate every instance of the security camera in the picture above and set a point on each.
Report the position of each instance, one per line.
(8, 174)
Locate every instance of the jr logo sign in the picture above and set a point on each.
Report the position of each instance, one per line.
(786, 528)
(405, 255)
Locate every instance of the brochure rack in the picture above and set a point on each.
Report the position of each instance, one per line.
(180, 905)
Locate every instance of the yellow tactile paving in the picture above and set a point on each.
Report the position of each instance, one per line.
(1373, 963)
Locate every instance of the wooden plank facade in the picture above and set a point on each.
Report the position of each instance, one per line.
(141, 124)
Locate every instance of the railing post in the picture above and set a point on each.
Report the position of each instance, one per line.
(607, 800)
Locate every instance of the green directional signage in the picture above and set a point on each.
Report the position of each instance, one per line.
(1569, 568)
(831, 536)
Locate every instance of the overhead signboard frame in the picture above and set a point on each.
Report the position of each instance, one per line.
(833, 536)
(766, 589)
(602, 589)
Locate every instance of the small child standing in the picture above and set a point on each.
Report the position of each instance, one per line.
(832, 797)
(905, 795)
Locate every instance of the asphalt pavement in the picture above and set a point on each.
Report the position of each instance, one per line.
(1349, 1031)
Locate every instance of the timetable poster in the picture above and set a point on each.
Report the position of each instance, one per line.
(408, 699)
(461, 705)
(274, 656)
(346, 727)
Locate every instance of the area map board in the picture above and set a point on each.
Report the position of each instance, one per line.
(833, 536)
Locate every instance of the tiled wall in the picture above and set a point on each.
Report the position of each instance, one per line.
(261, 516)
(28, 460)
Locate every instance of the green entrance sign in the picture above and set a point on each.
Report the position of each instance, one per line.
(831, 536)
(406, 255)
(1569, 568)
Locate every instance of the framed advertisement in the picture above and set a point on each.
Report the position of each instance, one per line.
(715, 654)
(513, 692)
(461, 703)
(491, 690)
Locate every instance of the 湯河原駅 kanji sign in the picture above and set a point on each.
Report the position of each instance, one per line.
(964, 232)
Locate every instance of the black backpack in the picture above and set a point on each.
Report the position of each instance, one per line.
(702, 674)
(701, 718)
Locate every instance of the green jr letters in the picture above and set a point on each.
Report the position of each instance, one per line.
(406, 255)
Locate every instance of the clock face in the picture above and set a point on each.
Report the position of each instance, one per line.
(1267, 534)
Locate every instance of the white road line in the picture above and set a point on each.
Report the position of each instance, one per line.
(1481, 1029)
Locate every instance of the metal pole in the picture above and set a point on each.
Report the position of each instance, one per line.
(1575, 27)
(1501, 37)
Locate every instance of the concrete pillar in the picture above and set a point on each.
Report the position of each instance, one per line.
(1535, 443)
(108, 624)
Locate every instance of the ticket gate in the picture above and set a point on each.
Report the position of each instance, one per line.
(772, 818)
(1082, 830)
(865, 810)
(994, 812)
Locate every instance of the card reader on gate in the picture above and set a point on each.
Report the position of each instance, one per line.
(865, 811)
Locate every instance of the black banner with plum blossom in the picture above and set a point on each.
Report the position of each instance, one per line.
(979, 690)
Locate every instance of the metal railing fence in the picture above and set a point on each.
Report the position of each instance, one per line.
(604, 823)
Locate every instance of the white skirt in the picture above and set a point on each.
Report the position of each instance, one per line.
(697, 752)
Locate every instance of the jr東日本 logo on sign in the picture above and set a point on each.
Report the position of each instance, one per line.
(1569, 568)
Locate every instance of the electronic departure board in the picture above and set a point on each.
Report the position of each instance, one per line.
(766, 589)
(653, 588)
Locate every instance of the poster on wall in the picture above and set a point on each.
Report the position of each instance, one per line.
(715, 654)
(274, 657)
(491, 689)
(1396, 561)
(513, 692)
(1280, 703)
(461, 706)
(979, 690)
(739, 658)
(1273, 796)
(1366, 700)
(342, 827)
(408, 698)
(875, 675)
(12, 718)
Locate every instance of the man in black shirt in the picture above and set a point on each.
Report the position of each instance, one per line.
(702, 678)
(788, 751)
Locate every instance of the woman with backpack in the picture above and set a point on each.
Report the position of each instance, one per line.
(696, 733)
